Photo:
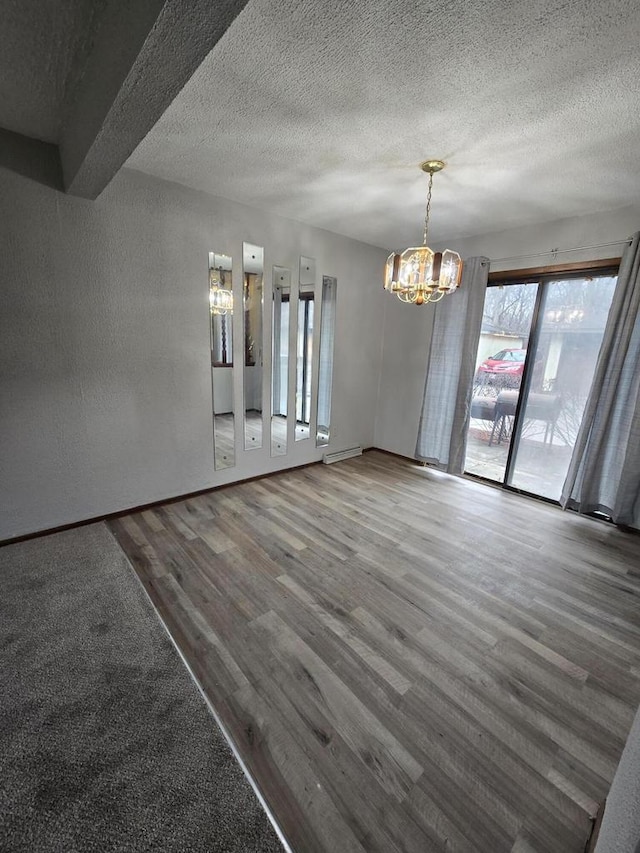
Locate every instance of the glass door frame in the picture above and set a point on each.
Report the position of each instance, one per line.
(541, 276)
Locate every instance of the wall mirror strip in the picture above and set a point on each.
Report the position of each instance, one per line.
(221, 326)
(304, 347)
(253, 306)
(280, 360)
(325, 363)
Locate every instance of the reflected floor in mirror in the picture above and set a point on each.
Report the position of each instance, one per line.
(253, 427)
(278, 435)
(224, 441)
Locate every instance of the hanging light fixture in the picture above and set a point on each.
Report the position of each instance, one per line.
(419, 274)
(220, 299)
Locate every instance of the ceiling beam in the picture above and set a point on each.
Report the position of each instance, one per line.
(142, 56)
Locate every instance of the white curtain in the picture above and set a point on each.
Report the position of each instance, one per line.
(604, 474)
(442, 434)
(325, 366)
(277, 346)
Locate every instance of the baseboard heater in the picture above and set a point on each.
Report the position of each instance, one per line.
(328, 458)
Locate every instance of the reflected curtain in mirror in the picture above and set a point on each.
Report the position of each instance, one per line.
(304, 347)
(280, 360)
(325, 365)
(252, 299)
(221, 336)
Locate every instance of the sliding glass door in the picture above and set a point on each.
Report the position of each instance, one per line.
(506, 326)
(536, 359)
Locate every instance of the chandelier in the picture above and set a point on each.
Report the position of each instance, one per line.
(419, 274)
(220, 299)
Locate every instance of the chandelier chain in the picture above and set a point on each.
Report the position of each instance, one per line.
(428, 211)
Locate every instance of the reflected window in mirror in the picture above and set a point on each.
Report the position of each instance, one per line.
(221, 335)
(325, 364)
(253, 305)
(304, 347)
(280, 360)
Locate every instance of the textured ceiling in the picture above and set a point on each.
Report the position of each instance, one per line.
(41, 43)
(322, 112)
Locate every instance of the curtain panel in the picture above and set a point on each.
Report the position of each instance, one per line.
(604, 473)
(325, 363)
(276, 393)
(442, 433)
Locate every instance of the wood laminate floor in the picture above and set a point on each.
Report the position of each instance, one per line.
(406, 661)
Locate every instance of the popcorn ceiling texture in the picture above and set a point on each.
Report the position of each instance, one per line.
(42, 43)
(322, 111)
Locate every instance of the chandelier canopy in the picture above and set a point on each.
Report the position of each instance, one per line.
(419, 274)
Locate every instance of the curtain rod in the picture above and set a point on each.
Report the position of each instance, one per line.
(560, 251)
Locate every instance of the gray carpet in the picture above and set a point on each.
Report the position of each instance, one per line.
(105, 742)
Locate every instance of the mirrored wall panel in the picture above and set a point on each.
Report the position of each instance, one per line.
(325, 364)
(280, 360)
(221, 317)
(304, 347)
(253, 306)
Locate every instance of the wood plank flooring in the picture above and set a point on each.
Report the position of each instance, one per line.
(406, 661)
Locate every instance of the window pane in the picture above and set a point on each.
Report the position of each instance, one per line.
(506, 324)
(572, 325)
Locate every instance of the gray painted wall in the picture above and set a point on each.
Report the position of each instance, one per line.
(105, 386)
(407, 328)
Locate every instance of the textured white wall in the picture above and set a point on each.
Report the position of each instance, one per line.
(407, 328)
(620, 829)
(405, 350)
(105, 384)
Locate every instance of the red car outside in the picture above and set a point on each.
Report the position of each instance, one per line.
(509, 361)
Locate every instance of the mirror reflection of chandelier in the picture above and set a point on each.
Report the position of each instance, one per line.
(419, 274)
(220, 299)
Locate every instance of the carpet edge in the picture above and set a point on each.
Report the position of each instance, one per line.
(212, 711)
